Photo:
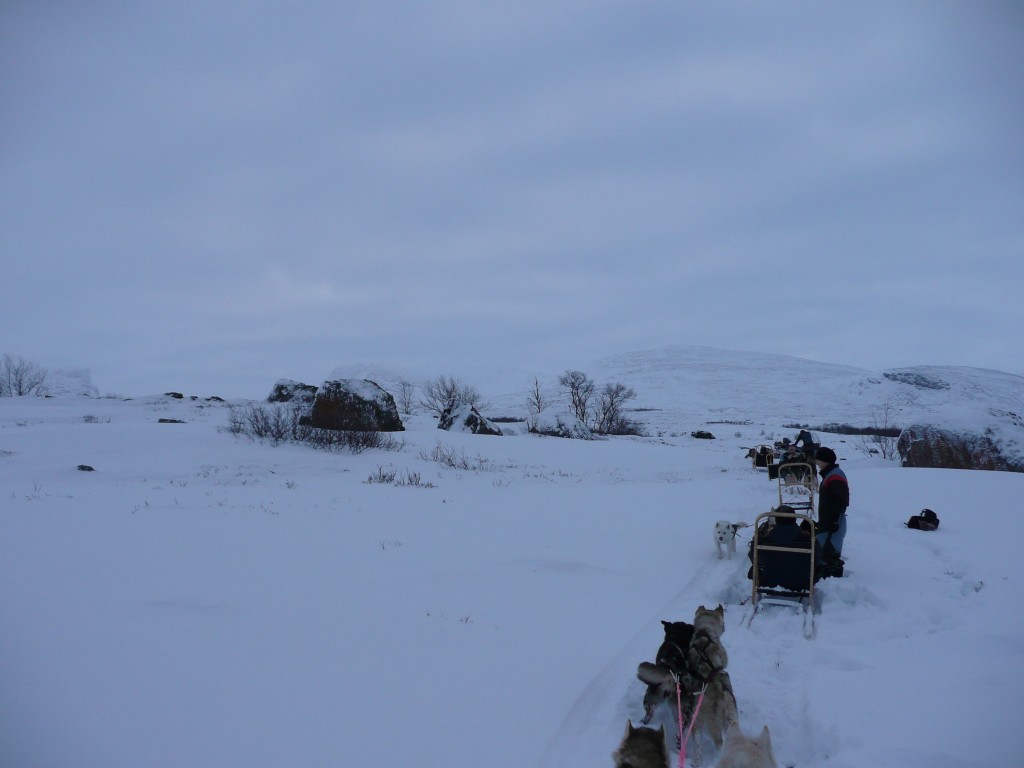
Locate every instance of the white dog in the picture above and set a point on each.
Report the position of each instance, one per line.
(725, 533)
(741, 751)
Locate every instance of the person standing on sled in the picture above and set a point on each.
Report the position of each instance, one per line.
(833, 499)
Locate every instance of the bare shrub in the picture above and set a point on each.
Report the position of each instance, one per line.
(609, 417)
(382, 476)
(413, 479)
(19, 377)
(445, 392)
(535, 401)
(885, 437)
(353, 441)
(275, 423)
(390, 476)
(452, 458)
(580, 389)
(283, 423)
(406, 399)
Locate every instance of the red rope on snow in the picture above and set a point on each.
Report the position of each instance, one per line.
(679, 708)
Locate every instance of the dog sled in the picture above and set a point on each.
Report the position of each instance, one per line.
(762, 456)
(797, 487)
(784, 564)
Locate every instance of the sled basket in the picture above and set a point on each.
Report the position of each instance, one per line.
(783, 574)
(764, 456)
(797, 487)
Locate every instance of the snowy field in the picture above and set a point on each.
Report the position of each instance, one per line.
(203, 600)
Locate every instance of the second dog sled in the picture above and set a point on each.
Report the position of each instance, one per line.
(762, 456)
(797, 487)
(784, 563)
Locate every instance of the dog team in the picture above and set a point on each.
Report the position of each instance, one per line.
(689, 673)
(689, 670)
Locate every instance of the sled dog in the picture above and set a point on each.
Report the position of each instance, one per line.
(707, 655)
(717, 711)
(717, 708)
(642, 748)
(706, 663)
(725, 536)
(741, 751)
(671, 659)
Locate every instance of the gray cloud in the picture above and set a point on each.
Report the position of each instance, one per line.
(226, 192)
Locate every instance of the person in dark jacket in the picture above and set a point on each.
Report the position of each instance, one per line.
(833, 499)
(781, 569)
(805, 442)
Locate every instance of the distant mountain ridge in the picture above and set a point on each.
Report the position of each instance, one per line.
(702, 382)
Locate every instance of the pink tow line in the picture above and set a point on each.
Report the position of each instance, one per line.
(689, 730)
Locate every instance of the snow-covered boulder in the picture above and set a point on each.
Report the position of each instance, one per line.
(289, 391)
(355, 405)
(560, 422)
(463, 417)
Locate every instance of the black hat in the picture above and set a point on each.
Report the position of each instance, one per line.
(825, 454)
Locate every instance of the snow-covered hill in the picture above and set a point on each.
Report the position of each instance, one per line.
(682, 388)
(204, 600)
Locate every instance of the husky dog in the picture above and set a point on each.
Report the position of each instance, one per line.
(717, 711)
(706, 663)
(741, 751)
(725, 533)
(717, 708)
(707, 655)
(670, 662)
(642, 748)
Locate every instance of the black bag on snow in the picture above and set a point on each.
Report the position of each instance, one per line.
(926, 521)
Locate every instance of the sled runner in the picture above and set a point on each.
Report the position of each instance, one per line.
(784, 560)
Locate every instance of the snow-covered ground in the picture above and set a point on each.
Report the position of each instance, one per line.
(203, 600)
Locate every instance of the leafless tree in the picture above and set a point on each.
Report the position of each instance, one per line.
(406, 395)
(444, 392)
(609, 418)
(580, 389)
(535, 400)
(19, 376)
(882, 442)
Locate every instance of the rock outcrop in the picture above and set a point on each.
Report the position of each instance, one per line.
(355, 405)
(463, 417)
(559, 422)
(923, 445)
(289, 391)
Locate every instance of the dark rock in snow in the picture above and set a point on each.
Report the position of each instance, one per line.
(85, 468)
(357, 405)
(463, 417)
(917, 379)
(288, 391)
(169, 421)
(702, 434)
(175, 395)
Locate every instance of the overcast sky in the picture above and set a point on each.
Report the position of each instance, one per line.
(209, 196)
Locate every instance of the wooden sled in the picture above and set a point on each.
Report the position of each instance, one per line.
(798, 487)
(784, 575)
